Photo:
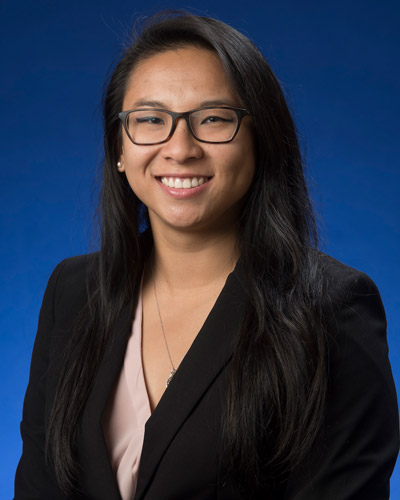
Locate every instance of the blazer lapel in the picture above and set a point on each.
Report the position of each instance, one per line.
(98, 473)
(206, 358)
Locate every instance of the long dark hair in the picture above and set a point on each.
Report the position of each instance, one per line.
(277, 384)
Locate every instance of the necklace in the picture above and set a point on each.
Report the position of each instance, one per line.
(173, 370)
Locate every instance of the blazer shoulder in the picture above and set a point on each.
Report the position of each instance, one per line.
(356, 321)
(341, 283)
(74, 269)
(359, 438)
(71, 280)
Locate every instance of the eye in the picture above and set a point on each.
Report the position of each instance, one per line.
(151, 120)
(215, 119)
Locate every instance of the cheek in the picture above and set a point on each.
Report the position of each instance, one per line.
(136, 160)
(242, 164)
(246, 171)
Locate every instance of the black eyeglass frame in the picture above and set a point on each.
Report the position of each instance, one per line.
(240, 113)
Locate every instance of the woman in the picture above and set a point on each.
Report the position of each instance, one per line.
(208, 340)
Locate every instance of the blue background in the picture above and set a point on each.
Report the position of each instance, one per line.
(339, 65)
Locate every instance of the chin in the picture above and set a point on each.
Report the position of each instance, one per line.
(186, 225)
(183, 219)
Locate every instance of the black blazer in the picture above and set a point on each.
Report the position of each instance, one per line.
(354, 457)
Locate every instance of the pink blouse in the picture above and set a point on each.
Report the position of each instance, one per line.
(127, 412)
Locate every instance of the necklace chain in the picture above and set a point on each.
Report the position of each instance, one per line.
(173, 371)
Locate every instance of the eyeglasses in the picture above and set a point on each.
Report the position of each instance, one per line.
(149, 126)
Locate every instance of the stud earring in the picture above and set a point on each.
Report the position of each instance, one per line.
(119, 166)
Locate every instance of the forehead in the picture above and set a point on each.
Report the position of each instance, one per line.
(180, 79)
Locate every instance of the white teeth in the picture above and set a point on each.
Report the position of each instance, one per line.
(183, 183)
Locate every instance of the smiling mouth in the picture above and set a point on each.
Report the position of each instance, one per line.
(183, 182)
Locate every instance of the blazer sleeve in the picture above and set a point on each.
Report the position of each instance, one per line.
(356, 454)
(33, 479)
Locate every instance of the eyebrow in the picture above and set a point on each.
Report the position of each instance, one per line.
(204, 104)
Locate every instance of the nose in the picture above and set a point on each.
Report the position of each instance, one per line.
(182, 146)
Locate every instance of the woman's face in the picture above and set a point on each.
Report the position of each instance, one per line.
(181, 80)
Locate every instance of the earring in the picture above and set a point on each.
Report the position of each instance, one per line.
(119, 166)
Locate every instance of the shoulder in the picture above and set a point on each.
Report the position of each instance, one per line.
(356, 323)
(74, 269)
(350, 297)
(69, 284)
(342, 285)
(336, 273)
(359, 439)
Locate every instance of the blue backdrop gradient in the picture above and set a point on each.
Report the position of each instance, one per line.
(339, 65)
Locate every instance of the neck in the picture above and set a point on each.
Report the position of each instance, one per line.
(190, 263)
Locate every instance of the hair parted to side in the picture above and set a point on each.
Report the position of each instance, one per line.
(277, 381)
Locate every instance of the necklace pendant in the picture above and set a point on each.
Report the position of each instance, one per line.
(170, 377)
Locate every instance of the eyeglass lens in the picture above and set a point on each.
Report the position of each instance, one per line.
(149, 126)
